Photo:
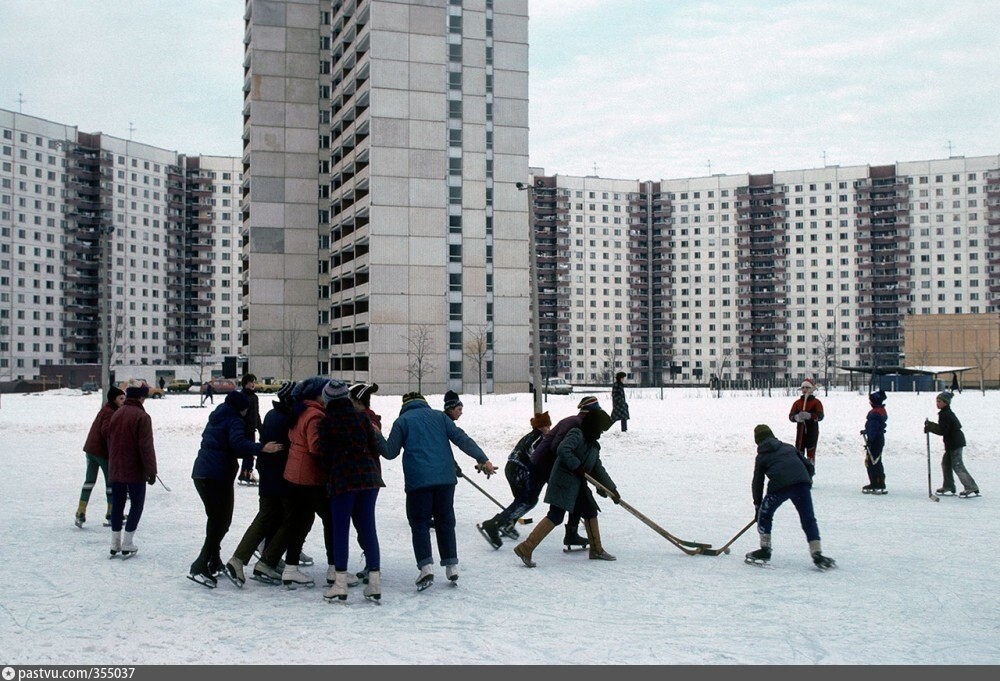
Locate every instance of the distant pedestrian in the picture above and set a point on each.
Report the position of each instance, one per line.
(206, 393)
(131, 466)
(955, 386)
(950, 429)
(619, 407)
(874, 434)
(96, 451)
(806, 413)
(789, 476)
(162, 383)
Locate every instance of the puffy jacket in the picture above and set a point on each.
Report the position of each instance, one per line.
(425, 434)
(223, 444)
(575, 451)
(97, 441)
(272, 466)
(304, 458)
(543, 456)
(875, 426)
(782, 464)
(949, 428)
(131, 455)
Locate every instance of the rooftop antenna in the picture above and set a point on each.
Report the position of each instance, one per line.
(595, 170)
(131, 129)
(949, 148)
(709, 164)
(20, 102)
(824, 158)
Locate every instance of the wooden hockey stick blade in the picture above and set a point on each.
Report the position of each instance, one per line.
(725, 547)
(659, 530)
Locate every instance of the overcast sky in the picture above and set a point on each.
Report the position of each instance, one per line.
(639, 89)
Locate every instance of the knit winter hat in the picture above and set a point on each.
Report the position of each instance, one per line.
(945, 397)
(285, 391)
(409, 397)
(808, 383)
(362, 392)
(136, 391)
(761, 433)
(334, 390)
(237, 400)
(114, 392)
(877, 398)
(451, 400)
(541, 420)
(309, 389)
(588, 403)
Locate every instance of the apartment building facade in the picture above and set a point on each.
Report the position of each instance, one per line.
(384, 235)
(759, 278)
(97, 227)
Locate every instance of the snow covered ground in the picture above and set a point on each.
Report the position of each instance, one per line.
(916, 581)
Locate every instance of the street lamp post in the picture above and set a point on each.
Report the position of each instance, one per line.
(536, 360)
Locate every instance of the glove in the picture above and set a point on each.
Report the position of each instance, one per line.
(862, 432)
(580, 472)
(602, 493)
(803, 416)
(458, 471)
(927, 427)
(615, 496)
(151, 480)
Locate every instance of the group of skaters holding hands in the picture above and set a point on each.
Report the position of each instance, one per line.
(319, 455)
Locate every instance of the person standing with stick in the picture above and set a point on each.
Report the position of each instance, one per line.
(874, 434)
(950, 429)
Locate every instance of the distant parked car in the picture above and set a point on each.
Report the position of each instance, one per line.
(557, 386)
(269, 385)
(221, 386)
(179, 386)
(90, 387)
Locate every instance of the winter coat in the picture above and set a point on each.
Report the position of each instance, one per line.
(543, 456)
(97, 439)
(349, 448)
(806, 432)
(425, 434)
(949, 428)
(271, 466)
(521, 453)
(223, 444)
(303, 466)
(131, 455)
(251, 419)
(575, 451)
(619, 407)
(782, 464)
(875, 427)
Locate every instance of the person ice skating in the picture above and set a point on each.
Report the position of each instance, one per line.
(96, 451)
(619, 407)
(131, 466)
(789, 476)
(578, 454)
(453, 405)
(806, 413)
(207, 393)
(351, 446)
(874, 434)
(543, 457)
(518, 472)
(424, 435)
(267, 526)
(223, 444)
(950, 429)
(252, 425)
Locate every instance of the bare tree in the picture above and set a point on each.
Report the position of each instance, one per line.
(418, 350)
(478, 349)
(826, 349)
(720, 367)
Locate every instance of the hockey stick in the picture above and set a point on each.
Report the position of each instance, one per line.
(459, 473)
(725, 547)
(929, 492)
(162, 483)
(690, 548)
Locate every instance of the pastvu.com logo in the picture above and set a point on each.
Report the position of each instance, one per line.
(8, 673)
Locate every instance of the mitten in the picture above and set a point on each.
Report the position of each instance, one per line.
(581, 472)
(458, 471)
(601, 492)
(151, 480)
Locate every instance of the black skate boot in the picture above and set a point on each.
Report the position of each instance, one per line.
(761, 556)
(572, 541)
(822, 562)
(490, 529)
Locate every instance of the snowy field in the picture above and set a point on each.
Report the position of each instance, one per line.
(916, 583)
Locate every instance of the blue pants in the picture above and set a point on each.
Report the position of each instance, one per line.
(437, 502)
(801, 497)
(135, 493)
(358, 507)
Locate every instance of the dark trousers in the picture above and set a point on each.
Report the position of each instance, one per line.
(135, 493)
(95, 464)
(585, 507)
(217, 497)
(302, 503)
(873, 463)
(801, 497)
(357, 507)
(437, 502)
(268, 525)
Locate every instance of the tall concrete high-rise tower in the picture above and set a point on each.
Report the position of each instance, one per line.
(384, 238)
